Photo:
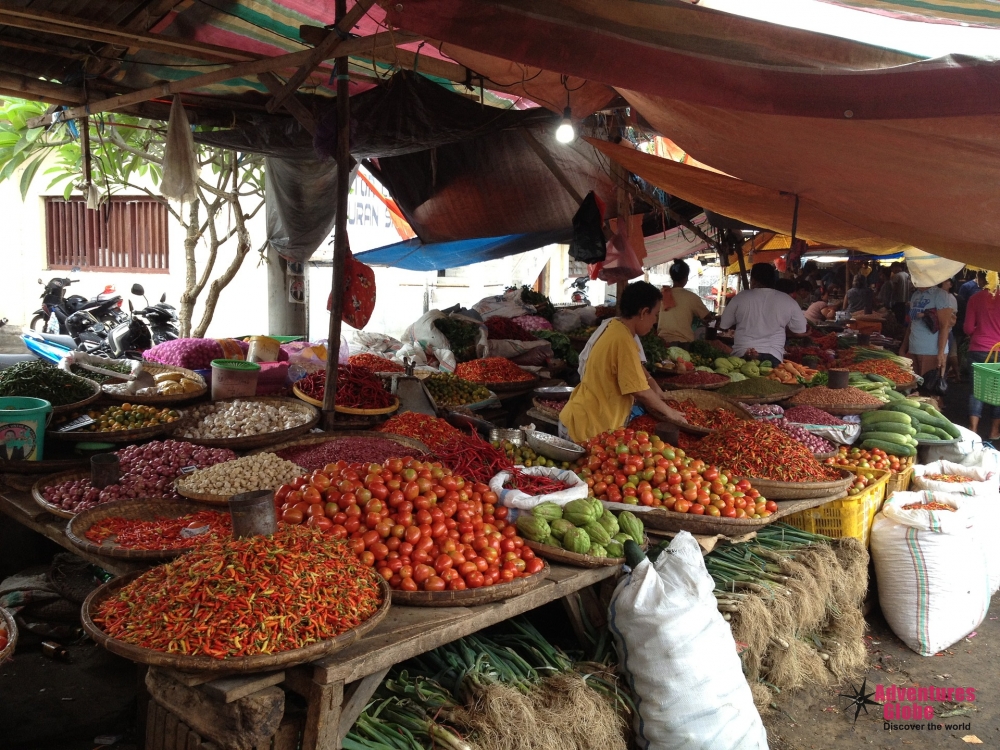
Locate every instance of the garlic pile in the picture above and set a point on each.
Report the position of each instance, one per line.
(228, 419)
(263, 471)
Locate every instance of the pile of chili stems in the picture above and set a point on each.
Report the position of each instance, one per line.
(357, 388)
(473, 458)
(712, 419)
(431, 431)
(374, 363)
(492, 370)
(161, 533)
(762, 451)
(233, 598)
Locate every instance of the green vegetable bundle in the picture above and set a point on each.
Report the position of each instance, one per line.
(462, 337)
(562, 347)
(542, 304)
(36, 379)
(654, 347)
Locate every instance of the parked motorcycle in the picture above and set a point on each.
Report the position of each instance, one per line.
(57, 307)
(579, 289)
(161, 317)
(125, 340)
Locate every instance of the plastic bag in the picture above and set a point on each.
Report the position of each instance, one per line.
(932, 570)
(679, 657)
(577, 490)
(622, 262)
(510, 348)
(565, 321)
(413, 352)
(74, 357)
(377, 343)
(506, 305)
(588, 243)
(537, 357)
(445, 358)
(424, 332)
(180, 163)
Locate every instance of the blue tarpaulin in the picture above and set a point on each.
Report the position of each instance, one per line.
(416, 255)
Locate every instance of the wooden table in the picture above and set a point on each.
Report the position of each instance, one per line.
(22, 507)
(338, 687)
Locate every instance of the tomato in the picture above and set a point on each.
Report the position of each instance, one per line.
(443, 563)
(292, 516)
(379, 550)
(367, 558)
(281, 493)
(697, 509)
(534, 565)
(314, 510)
(682, 506)
(434, 583)
(771, 506)
(300, 482)
(337, 531)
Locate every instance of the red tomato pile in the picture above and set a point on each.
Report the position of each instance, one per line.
(626, 466)
(3, 638)
(419, 525)
(869, 459)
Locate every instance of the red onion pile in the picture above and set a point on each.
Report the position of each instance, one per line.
(146, 471)
(353, 450)
(764, 410)
(813, 442)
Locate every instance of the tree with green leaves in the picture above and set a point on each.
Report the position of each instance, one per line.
(127, 155)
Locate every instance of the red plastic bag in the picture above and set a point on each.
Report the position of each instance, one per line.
(623, 258)
(359, 294)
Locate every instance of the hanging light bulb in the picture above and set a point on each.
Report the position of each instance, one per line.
(566, 133)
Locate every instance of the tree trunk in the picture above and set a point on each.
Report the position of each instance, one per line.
(186, 312)
(215, 288)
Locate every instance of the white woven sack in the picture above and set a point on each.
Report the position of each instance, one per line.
(577, 489)
(981, 481)
(932, 571)
(680, 658)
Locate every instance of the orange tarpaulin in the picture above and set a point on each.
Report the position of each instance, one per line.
(863, 184)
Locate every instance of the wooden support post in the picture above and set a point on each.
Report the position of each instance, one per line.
(340, 249)
(355, 700)
(743, 266)
(297, 109)
(321, 52)
(323, 716)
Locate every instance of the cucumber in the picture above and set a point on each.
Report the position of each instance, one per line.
(896, 427)
(888, 437)
(893, 449)
(885, 415)
(876, 378)
(932, 417)
(921, 436)
(917, 417)
(893, 395)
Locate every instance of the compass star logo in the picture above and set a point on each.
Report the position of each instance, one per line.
(860, 699)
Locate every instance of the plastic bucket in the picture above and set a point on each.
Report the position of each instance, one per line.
(234, 378)
(22, 427)
(263, 349)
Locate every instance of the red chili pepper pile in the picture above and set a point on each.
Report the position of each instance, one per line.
(374, 363)
(492, 370)
(698, 378)
(357, 388)
(351, 449)
(534, 486)
(885, 368)
(505, 328)
(762, 451)
(431, 431)
(473, 458)
(712, 419)
(644, 423)
(259, 595)
(161, 533)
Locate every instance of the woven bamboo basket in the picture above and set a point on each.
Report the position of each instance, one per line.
(512, 386)
(65, 408)
(668, 386)
(254, 441)
(560, 555)
(772, 399)
(51, 480)
(8, 620)
(120, 436)
(119, 392)
(259, 663)
(144, 510)
(471, 597)
(705, 400)
(668, 520)
(327, 437)
(773, 490)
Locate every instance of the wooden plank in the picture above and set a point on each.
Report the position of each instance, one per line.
(349, 48)
(193, 741)
(79, 28)
(376, 652)
(151, 712)
(143, 20)
(287, 736)
(229, 689)
(357, 697)
(322, 51)
(181, 740)
(22, 508)
(189, 679)
(154, 739)
(296, 108)
(323, 716)
(169, 731)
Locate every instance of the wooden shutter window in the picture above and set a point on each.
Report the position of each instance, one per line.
(125, 234)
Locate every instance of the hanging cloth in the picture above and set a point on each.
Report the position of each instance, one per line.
(180, 163)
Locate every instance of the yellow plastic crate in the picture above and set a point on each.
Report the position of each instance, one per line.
(899, 482)
(849, 516)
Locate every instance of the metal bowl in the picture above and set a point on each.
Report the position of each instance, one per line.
(553, 447)
(554, 392)
(514, 436)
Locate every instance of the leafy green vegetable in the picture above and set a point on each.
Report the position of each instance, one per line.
(35, 379)
(654, 347)
(562, 347)
(462, 337)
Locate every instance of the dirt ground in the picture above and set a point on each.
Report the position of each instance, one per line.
(10, 340)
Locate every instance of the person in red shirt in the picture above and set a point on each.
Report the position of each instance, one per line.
(982, 324)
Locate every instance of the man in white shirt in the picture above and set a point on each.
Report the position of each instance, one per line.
(760, 315)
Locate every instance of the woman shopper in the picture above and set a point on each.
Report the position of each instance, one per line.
(982, 325)
(932, 315)
(680, 307)
(612, 377)
(953, 370)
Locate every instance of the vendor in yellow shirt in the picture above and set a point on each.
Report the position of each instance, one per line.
(613, 376)
(680, 308)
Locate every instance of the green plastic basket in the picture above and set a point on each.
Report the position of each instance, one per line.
(986, 378)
